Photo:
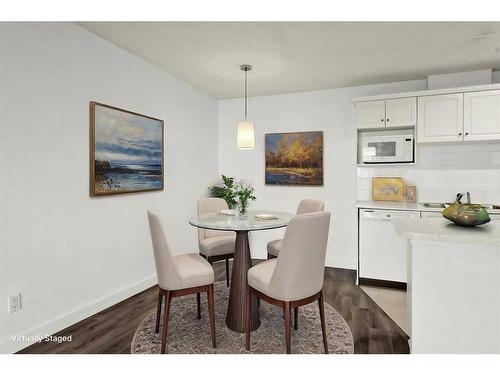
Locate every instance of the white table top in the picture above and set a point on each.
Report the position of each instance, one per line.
(236, 223)
(440, 229)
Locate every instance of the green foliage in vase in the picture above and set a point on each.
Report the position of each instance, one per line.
(225, 191)
(244, 192)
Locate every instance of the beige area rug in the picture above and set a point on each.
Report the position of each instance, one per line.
(392, 301)
(188, 335)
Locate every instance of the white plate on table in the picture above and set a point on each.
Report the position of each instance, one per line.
(227, 212)
(266, 217)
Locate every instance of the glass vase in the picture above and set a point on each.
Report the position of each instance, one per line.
(242, 208)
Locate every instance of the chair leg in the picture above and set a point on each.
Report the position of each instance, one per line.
(268, 256)
(287, 326)
(296, 318)
(158, 311)
(227, 272)
(210, 297)
(168, 299)
(198, 307)
(322, 317)
(248, 306)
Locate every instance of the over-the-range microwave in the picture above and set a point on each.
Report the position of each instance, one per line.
(385, 148)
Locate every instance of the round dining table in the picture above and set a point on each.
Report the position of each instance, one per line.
(235, 317)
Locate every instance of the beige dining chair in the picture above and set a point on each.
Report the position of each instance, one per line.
(179, 275)
(292, 279)
(306, 206)
(215, 245)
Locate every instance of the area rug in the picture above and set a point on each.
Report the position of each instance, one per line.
(188, 335)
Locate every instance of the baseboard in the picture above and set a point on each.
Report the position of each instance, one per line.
(382, 283)
(66, 320)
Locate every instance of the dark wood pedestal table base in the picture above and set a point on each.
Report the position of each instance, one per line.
(235, 318)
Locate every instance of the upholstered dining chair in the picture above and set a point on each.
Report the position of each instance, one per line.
(215, 245)
(306, 206)
(179, 276)
(292, 279)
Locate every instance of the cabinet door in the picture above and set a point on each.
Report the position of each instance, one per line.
(370, 115)
(401, 112)
(440, 118)
(482, 115)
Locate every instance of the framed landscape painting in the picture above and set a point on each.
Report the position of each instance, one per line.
(294, 158)
(126, 151)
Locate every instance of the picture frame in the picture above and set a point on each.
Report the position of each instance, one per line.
(126, 151)
(410, 194)
(390, 189)
(294, 158)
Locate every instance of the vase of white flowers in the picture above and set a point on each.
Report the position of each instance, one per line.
(244, 194)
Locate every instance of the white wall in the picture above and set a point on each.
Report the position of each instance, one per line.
(71, 255)
(332, 112)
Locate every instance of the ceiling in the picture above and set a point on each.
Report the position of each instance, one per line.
(302, 56)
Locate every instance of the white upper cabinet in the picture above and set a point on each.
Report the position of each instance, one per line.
(386, 113)
(401, 112)
(370, 115)
(440, 118)
(482, 115)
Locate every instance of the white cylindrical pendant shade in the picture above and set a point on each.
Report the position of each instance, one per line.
(246, 136)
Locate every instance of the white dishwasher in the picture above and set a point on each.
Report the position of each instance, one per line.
(382, 252)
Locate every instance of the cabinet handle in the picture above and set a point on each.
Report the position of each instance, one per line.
(459, 134)
(382, 120)
(467, 133)
(387, 120)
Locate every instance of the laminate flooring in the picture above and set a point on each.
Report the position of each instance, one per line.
(111, 330)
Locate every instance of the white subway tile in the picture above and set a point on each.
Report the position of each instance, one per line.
(363, 172)
(363, 183)
(427, 195)
(363, 195)
(492, 197)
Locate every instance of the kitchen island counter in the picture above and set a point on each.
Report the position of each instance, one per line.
(440, 229)
(453, 286)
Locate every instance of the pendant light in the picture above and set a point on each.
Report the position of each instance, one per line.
(245, 139)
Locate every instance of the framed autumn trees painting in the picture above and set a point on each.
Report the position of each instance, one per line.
(126, 151)
(294, 158)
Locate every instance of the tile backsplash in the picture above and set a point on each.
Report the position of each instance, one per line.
(442, 171)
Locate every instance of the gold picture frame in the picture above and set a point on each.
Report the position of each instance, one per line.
(116, 134)
(389, 189)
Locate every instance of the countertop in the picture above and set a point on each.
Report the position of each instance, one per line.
(438, 229)
(403, 206)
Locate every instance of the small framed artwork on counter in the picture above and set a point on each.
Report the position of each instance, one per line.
(390, 189)
(410, 194)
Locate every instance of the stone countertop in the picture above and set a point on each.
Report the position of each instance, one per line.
(403, 206)
(438, 229)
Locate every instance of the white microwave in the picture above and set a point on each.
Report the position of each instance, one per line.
(384, 148)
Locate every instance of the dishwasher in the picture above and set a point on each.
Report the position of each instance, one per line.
(382, 252)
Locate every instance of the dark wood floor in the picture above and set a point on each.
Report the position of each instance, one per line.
(111, 330)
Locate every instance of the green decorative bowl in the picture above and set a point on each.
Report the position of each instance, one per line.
(466, 214)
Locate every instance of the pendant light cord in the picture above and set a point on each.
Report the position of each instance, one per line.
(246, 93)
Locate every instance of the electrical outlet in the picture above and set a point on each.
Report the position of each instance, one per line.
(14, 303)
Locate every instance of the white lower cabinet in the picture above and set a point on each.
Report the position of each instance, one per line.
(382, 252)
